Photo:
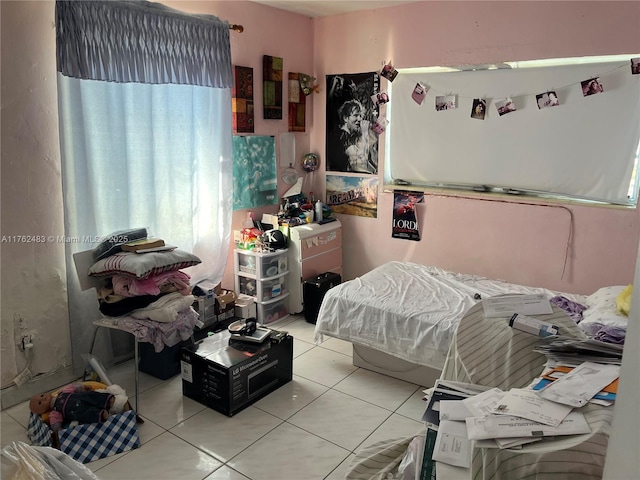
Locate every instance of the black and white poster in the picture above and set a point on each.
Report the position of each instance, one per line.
(405, 222)
(352, 145)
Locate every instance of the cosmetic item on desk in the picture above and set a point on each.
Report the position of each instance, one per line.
(318, 211)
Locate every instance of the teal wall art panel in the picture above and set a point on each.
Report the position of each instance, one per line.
(255, 180)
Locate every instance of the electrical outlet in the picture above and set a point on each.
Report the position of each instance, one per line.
(25, 343)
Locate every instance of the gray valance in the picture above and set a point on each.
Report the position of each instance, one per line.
(141, 42)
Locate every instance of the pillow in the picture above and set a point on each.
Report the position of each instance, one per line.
(623, 301)
(608, 316)
(604, 297)
(113, 243)
(142, 265)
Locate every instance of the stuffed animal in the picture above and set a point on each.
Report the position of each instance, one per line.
(75, 402)
(120, 397)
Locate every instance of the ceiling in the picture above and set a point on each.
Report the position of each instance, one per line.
(323, 8)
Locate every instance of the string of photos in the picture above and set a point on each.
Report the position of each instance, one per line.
(444, 101)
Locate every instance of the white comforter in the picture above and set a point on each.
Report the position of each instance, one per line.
(408, 310)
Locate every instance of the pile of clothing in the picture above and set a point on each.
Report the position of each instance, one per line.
(604, 317)
(146, 293)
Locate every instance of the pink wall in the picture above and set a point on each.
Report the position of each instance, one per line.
(565, 247)
(458, 234)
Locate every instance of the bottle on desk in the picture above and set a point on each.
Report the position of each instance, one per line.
(318, 211)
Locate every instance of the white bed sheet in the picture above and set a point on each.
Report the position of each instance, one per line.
(408, 310)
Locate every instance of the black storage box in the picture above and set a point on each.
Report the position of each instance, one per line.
(313, 291)
(163, 364)
(230, 376)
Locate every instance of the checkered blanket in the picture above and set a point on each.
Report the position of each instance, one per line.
(38, 432)
(91, 441)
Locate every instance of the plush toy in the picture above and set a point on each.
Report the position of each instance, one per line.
(76, 402)
(120, 397)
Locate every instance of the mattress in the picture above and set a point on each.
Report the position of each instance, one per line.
(408, 310)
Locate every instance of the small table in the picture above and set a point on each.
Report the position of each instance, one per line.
(109, 323)
(487, 351)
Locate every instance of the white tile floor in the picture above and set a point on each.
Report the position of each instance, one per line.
(307, 429)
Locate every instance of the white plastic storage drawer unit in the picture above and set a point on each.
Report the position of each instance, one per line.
(261, 265)
(273, 310)
(265, 277)
(263, 290)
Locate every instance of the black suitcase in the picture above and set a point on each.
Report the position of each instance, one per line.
(313, 291)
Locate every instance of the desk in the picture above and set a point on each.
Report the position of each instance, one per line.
(487, 351)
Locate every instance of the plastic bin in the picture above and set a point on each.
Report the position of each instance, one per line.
(274, 310)
(260, 264)
(163, 364)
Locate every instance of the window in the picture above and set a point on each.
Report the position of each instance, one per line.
(585, 148)
(144, 101)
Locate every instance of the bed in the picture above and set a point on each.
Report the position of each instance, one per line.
(401, 316)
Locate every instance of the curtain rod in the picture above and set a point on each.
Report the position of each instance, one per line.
(236, 28)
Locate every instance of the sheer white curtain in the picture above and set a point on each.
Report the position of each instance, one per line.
(145, 133)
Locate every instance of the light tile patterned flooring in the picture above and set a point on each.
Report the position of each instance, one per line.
(307, 429)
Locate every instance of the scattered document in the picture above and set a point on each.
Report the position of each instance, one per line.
(527, 404)
(504, 426)
(432, 413)
(484, 403)
(570, 351)
(505, 306)
(503, 443)
(515, 442)
(461, 387)
(296, 189)
(581, 384)
(454, 410)
(606, 396)
(452, 445)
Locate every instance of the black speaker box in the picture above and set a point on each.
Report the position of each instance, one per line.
(313, 291)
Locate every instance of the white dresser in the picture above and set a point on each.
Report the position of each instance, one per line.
(313, 249)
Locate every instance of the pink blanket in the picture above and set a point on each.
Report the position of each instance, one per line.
(154, 285)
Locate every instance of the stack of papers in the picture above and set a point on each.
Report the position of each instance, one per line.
(606, 396)
(443, 391)
(446, 440)
(459, 414)
(581, 384)
(574, 352)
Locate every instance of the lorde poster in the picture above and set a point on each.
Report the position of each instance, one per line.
(405, 222)
(352, 146)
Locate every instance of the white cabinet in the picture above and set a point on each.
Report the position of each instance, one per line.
(313, 249)
(265, 277)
